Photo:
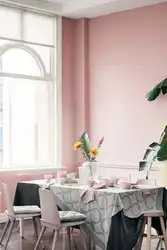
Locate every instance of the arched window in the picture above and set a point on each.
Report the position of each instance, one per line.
(21, 60)
(18, 61)
(26, 94)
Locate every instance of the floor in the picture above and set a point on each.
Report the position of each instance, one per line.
(29, 241)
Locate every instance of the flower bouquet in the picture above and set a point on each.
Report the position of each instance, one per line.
(89, 153)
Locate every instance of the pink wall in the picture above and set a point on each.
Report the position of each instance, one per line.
(109, 64)
(68, 87)
(127, 57)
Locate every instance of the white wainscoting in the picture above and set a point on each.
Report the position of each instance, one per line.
(123, 171)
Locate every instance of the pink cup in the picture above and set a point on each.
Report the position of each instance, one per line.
(125, 185)
(48, 177)
(90, 183)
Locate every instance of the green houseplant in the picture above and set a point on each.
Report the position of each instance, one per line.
(155, 151)
(155, 92)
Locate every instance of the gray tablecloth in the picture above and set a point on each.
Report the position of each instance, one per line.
(107, 203)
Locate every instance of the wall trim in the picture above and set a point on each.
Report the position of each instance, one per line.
(125, 166)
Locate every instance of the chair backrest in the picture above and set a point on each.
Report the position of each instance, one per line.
(8, 199)
(49, 210)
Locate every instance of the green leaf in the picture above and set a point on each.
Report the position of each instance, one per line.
(162, 153)
(149, 157)
(154, 145)
(143, 165)
(85, 145)
(154, 93)
(163, 137)
(163, 85)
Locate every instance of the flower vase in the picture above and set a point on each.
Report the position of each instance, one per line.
(92, 165)
(87, 171)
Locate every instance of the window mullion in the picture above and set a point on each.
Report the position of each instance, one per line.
(22, 25)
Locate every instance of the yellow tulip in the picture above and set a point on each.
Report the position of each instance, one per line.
(94, 151)
(77, 144)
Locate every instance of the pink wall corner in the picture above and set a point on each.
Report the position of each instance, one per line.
(81, 82)
(127, 57)
(68, 106)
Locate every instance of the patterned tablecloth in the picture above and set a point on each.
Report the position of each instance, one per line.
(107, 203)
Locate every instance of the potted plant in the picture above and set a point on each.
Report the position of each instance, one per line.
(89, 153)
(156, 151)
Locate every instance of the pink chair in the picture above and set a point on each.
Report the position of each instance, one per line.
(56, 220)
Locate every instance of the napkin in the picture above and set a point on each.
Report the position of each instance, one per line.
(88, 195)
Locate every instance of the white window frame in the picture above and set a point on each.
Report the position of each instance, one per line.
(57, 106)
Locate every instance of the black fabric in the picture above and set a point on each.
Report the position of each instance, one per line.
(26, 195)
(124, 232)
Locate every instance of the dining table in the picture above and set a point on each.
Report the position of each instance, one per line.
(114, 215)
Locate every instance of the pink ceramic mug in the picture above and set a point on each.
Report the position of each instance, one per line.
(90, 183)
(125, 185)
(48, 177)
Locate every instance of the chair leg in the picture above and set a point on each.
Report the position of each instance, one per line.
(159, 244)
(83, 237)
(149, 220)
(40, 228)
(18, 228)
(63, 238)
(4, 231)
(163, 231)
(40, 238)
(69, 237)
(35, 227)
(141, 235)
(54, 240)
(9, 234)
(22, 227)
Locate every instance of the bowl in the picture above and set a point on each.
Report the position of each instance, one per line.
(114, 179)
(110, 183)
(90, 183)
(125, 185)
(71, 177)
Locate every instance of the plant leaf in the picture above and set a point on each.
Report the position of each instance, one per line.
(162, 153)
(143, 165)
(154, 93)
(85, 145)
(163, 85)
(149, 157)
(163, 137)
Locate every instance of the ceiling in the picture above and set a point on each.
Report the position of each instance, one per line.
(85, 8)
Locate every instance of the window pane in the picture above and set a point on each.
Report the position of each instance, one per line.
(19, 61)
(10, 23)
(28, 105)
(38, 28)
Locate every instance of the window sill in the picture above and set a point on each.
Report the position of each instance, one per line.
(33, 169)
